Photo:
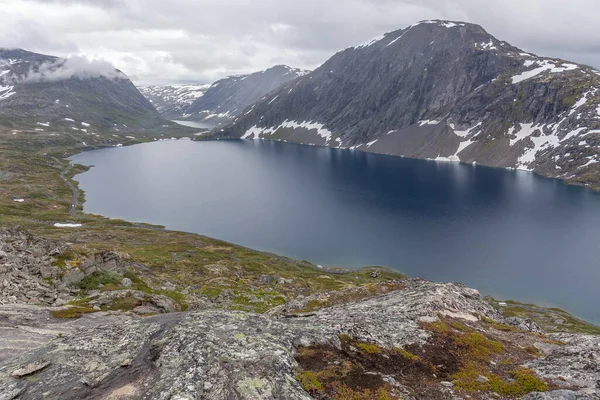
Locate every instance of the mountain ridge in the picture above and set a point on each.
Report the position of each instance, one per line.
(228, 97)
(441, 90)
(46, 91)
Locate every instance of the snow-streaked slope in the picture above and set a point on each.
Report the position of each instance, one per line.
(172, 101)
(446, 91)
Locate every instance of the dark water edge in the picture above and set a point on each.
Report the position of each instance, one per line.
(510, 234)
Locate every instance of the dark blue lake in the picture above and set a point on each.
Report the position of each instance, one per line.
(509, 234)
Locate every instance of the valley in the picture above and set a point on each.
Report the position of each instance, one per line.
(114, 286)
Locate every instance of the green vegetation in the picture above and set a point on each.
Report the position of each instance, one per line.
(71, 312)
(104, 278)
(369, 348)
(550, 319)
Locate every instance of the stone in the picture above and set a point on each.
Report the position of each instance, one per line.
(447, 384)
(482, 379)
(126, 282)
(555, 395)
(30, 368)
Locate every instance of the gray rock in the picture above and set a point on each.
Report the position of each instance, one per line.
(30, 368)
(555, 395)
(217, 354)
(126, 282)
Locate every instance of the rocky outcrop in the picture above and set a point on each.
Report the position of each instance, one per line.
(445, 91)
(35, 271)
(26, 271)
(217, 354)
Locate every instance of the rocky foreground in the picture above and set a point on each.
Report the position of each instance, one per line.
(422, 340)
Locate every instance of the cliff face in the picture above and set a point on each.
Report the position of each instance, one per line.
(442, 90)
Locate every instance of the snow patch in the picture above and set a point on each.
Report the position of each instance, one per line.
(525, 131)
(429, 122)
(255, 131)
(544, 65)
(60, 225)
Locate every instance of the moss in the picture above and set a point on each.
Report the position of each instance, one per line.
(309, 381)
(525, 381)
(406, 354)
(72, 312)
(369, 348)
(478, 346)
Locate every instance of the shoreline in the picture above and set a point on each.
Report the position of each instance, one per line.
(329, 270)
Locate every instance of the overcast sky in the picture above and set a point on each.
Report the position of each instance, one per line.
(180, 41)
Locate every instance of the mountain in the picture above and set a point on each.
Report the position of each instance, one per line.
(173, 101)
(447, 91)
(46, 91)
(227, 97)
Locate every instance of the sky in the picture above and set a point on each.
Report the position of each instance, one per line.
(162, 42)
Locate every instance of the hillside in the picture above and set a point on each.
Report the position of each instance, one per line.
(39, 91)
(227, 97)
(447, 91)
(172, 101)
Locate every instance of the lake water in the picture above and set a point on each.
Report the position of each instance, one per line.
(509, 234)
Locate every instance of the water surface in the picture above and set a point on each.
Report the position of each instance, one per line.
(510, 234)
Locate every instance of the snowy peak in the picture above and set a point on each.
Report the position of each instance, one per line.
(446, 91)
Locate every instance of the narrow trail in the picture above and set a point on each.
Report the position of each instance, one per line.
(62, 174)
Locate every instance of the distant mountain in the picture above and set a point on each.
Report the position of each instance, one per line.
(173, 101)
(50, 92)
(447, 91)
(227, 97)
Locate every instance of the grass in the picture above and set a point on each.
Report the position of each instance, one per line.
(72, 312)
(545, 317)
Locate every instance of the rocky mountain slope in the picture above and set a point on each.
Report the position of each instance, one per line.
(227, 97)
(43, 92)
(173, 101)
(421, 340)
(447, 91)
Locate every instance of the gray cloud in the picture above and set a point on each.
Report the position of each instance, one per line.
(157, 41)
(73, 67)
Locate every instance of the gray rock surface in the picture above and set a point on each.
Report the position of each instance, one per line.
(218, 354)
(556, 395)
(442, 90)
